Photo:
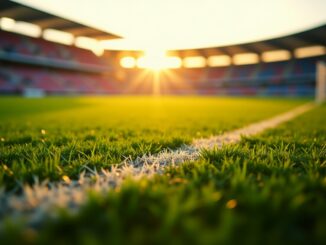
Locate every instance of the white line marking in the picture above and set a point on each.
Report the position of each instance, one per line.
(38, 201)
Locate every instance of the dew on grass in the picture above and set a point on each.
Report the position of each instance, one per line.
(66, 179)
(231, 204)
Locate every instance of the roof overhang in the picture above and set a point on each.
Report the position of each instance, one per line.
(45, 20)
(315, 36)
(312, 37)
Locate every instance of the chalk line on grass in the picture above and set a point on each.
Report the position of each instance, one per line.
(38, 201)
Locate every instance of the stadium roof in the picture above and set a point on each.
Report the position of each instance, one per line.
(312, 37)
(45, 20)
(315, 36)
(184, 24)
(20, 12)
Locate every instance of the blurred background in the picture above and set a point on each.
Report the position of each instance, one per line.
(60, 48)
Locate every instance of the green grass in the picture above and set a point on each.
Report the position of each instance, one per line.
(268, 189)
(53, 137)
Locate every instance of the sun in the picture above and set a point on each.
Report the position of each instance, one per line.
(153, 59)
(154, 64)
(157, 60)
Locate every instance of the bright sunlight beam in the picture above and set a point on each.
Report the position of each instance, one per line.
(156, 65)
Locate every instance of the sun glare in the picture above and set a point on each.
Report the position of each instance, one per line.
(128, 62)
(155, 67)
(158, 60)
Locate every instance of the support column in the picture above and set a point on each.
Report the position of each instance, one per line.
(321, 82)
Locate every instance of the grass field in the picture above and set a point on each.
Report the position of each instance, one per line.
(268, 189)
(56, 137)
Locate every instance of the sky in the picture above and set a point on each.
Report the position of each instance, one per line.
(183, 24)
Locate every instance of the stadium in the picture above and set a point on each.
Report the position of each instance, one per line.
(190, 144)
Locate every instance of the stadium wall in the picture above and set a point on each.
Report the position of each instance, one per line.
(34, 64)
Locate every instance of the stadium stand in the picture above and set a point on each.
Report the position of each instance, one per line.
(16, 78)
(294, 77)
(54, 68)
(34, 49)
(34, 63)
